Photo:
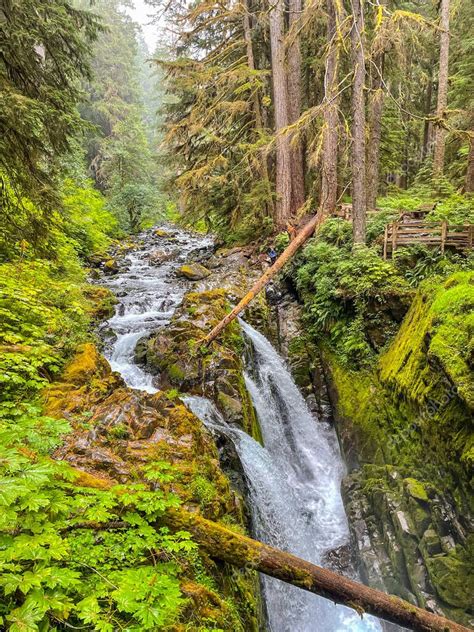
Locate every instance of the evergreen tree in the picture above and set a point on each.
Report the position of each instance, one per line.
(45, 50)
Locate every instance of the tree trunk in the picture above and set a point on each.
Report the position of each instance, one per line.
(440, 131)
(294, 110)
(263, 166)
(244, 552)
(469, 187)
(331, 118)
(375, 134)
(280, 103)
(294, 245)
(359, 190)
(427, 125)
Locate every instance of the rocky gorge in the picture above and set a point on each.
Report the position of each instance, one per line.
(407, 536)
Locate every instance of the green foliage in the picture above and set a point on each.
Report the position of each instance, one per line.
(53, 567)
(453, 208)
(336, 231)
(456, 209)
(281, 241)
(87, 221)
(43, 318)
(376, 222)
(216, 138)
(134, 204)
(82, 226)
(343, 290)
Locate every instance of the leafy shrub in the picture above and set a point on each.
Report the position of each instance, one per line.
(376, 223)
(342, 290)
(43, 319)
(281, 241)
(456, 209)
(81, 226)
(336, 231)
(54, 568)
(86, 219)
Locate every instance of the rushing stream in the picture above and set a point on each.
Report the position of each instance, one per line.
(148, 295)
(294, 481)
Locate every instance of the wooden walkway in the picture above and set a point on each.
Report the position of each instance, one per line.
(442, 234)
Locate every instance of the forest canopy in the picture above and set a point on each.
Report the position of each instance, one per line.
(250, 120)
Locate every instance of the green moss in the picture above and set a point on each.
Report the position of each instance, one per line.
(413, 416)
(439, 327)
(176, 373)
(416, 489)
(453, 577)
(194, 271)
(205, 492)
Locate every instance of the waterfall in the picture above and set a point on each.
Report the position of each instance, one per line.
(294, 488)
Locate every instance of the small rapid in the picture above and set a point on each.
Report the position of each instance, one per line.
(148, 296)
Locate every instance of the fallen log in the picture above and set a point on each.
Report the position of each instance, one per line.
(304, 234)
(239, 550)
(242, 551)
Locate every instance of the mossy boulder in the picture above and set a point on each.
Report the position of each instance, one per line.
(193, 272)
(175, 355)
(161, 232)
(416, 489)
(119, 433)
(453, 578)
(102, 302)
(86, 379)
(110, 266)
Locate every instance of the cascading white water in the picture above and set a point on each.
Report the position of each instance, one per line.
(306, 456)
(294, 480)
(148, 296)
(294, 488)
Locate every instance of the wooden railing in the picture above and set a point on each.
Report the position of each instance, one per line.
(439, 234)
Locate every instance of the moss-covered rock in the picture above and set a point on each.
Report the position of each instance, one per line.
(110, 266)
(412, 418)
(101, 301)
(175, 355)
(119, 433)
(193, 272)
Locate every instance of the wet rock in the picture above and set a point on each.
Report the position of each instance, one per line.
(193, 271)
(95, 261)
(110, 267)
(161, 232)
(430, 544)
(340, 560)
(141, 350)
(157, 257)
(214, 263)
(174, 355)
(230, 407)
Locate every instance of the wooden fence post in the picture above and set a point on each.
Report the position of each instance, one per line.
(394, 236)
(444, 233)
(385, 239)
